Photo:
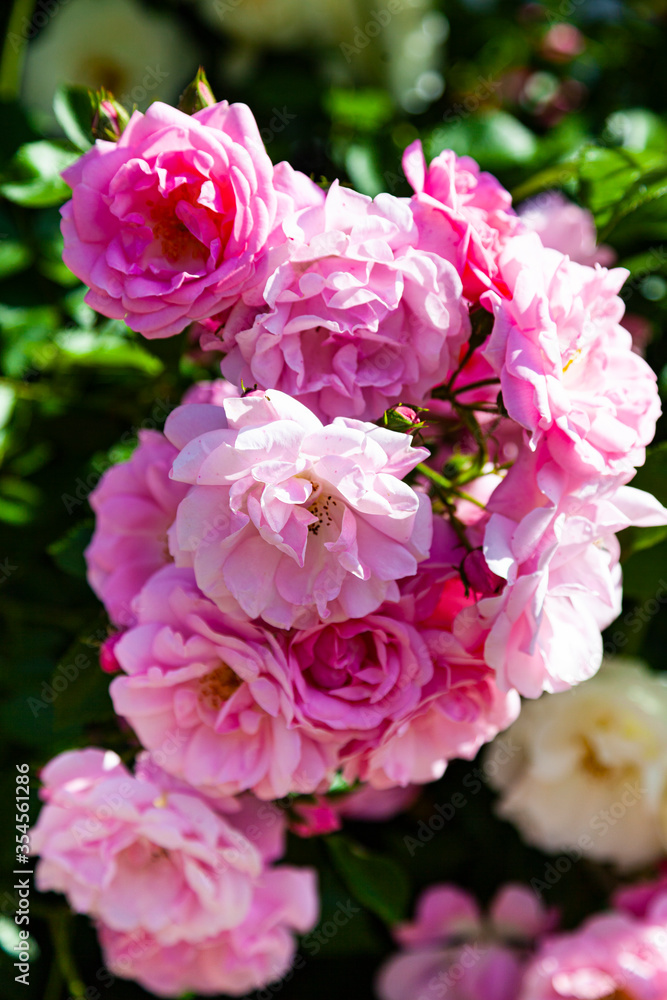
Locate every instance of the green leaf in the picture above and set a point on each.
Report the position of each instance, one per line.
(14, 257)
(97, 348)
(614, 183)
(363, 169)
(33, 177)
(68, 551)
(651, 477)
(496, 140)
(379, 883)
(73, 108)
(361, 110)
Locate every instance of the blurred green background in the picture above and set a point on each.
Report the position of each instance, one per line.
(568, 94)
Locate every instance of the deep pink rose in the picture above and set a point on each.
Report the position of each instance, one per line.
(171, 223)
(355, 319)
(292, 520)
(462, 214)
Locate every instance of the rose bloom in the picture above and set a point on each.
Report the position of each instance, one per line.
(566, 366)
(565, 227)
(646, 900)
(259, 951)
(322, 510)
(553, 541)
(592, 770)
(146, 853)
(452, 949)
(223, 686)
(171, 223)
(135, 503)
(463, 214)
(355, 319)
(612, 957)
(103, 43)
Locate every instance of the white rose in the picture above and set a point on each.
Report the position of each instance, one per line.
(591, 774)
(139, 55)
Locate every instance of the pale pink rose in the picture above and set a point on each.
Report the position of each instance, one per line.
(214, 391)
(171, 223)
(554, 543)
(463, 214)
(356, 319)
(258, 951)
(135, 503)
(452, 949)
(223, 687)
(612, 957)
(565, 227)
(144, 853)
(566, 365)
(322, 510)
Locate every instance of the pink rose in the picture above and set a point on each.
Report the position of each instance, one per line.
(355, 319)
(554, 543)
(354, 679)
(258, 951)
(460, 709)
(452, 949)
(322, 510)
(566, 365)
(565, 227)
(170, 224)
(223, 687)
(462, 214)
(611, 956)
(144, 853)
(135, 503)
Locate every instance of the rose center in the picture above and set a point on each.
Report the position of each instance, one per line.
(217, 687)
(591, 763)
(175, 239)
(323, 508)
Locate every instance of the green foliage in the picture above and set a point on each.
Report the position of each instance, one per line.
(379, 883)
(33, 177)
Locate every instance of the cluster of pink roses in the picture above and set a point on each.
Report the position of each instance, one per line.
(299, 595)
(512, 953)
